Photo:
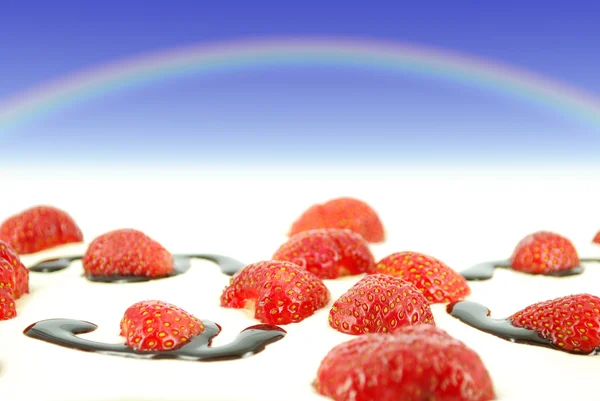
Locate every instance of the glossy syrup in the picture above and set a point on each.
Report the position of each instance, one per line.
(485, 270)
(181, 264)
(250, 341)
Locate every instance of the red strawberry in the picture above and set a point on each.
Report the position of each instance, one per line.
(278, 292)
(438, 282)
(21, 273)
(379, 303)
(571, 323)
(7, 304)
(544, 252)
(328, 253)
(39, 228)
(417, 363)
(158, 326)
(597, 238)
(127, 252)
(347, 213)
(7, 277)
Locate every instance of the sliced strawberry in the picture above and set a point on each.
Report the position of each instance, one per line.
(349, 213)
(39, 228)
(544, 252)
(7, 277)
(7, 304)
(597, 238)
(571, 323)
(379, 303)
(21, 273)
(158, 326)
(328, 253)
(417, 363)
(127, 252)
(278, 292)
(438, 282)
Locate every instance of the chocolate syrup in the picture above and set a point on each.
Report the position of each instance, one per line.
(485, 270)
(250, 341)
(54, 265)
(181, 264)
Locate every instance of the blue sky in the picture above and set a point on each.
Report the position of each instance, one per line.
(300, 114)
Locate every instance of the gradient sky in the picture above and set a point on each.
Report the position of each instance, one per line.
(277, 114)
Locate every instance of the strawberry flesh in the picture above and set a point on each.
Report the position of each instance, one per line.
(20, 281)
(7, 304)
(158, 326)
(278, 292)
(438, 282)
(571, 323)
(127, 252)
(39, 228)
(417, 363)
(380, 303)
(544, 252)
(328, 253)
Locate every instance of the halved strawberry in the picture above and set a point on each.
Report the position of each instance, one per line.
(349, 213)
(127, 252)
(21, 273)
(438, 282)
(597, 238)
(571, 323)
(328, 253)
(39, 228)
(158, 326)
(278, 292)
(379, 303)
(417, 363)
(7, 277)
(7, 304)
(544, 252)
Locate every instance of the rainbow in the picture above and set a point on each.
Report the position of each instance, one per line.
(246, 54)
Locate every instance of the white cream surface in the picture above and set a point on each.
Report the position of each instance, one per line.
(460, 220)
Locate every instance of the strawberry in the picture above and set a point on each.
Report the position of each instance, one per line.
(379, 303)
(278, 292)
(571, 323)
(597, 238)
(544, 252)
(328, 253)
(21, 273)
(7, 277)
(417, 363)
(7, 304)
(347, 213)
(438, 282)
(126, 252)
(158, 326)
(39, 228)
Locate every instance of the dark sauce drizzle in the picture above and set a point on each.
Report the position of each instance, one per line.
(485, 270)
(250, 341)
(181, 264)
(478, 316)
